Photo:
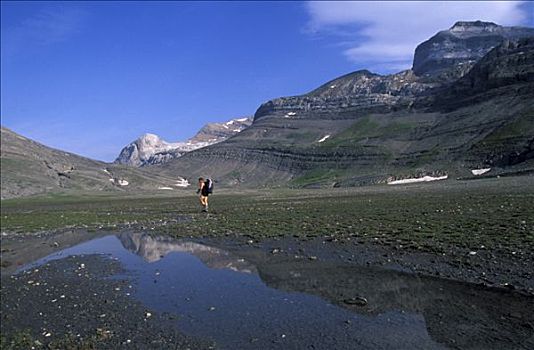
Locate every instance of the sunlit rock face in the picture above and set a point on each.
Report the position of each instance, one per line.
(462, 44)
(150, 149)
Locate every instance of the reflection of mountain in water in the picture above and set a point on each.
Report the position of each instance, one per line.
(459, 315)
(154, 248)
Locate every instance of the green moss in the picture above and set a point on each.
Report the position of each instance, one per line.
(19, 340)
(523, 125)
(367, 128)
(317, 175)
(428, 217)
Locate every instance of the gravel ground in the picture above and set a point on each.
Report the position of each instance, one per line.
(73, 304)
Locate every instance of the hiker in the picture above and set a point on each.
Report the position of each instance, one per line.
(205, 187)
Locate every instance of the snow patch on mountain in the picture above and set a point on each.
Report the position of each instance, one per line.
(182, 183)
(480, 171)
(418, 179)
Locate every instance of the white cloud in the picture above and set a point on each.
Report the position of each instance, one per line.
(388, 32)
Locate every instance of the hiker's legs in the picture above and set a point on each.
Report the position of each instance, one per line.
(204, 202)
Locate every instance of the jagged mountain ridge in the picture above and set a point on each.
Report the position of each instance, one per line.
(364, 127)
(150, 149)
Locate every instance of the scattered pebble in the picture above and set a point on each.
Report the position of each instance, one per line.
(359, 301)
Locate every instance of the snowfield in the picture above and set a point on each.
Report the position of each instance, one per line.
(418, 179)
(324, 138)
(182, 183)
(480, 171)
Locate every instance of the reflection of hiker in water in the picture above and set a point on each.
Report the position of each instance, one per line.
(205, 187)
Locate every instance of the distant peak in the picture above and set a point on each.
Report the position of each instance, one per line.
(150, 139)
(463, 25)
(149, 136)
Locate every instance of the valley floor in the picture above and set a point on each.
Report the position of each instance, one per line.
(483, 228)
(476, 231)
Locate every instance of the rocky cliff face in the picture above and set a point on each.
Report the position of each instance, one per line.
(504, 75)
(360, 92)
(507, 64)
(439, 61)
(150, 149)
(364, 127)
(462, 44)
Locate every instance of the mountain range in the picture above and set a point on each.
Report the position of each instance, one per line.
(150, 149)
(465, 106)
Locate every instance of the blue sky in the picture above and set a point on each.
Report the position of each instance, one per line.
(90, 77)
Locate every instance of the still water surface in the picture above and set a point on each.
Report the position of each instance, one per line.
(217, 295)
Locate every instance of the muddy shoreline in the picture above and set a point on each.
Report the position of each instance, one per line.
(492, 268)
(488, 268)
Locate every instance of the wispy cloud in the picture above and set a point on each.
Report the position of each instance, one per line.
(44, 28)
(386, 33)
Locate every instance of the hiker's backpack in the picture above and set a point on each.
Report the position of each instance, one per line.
(209, 186)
